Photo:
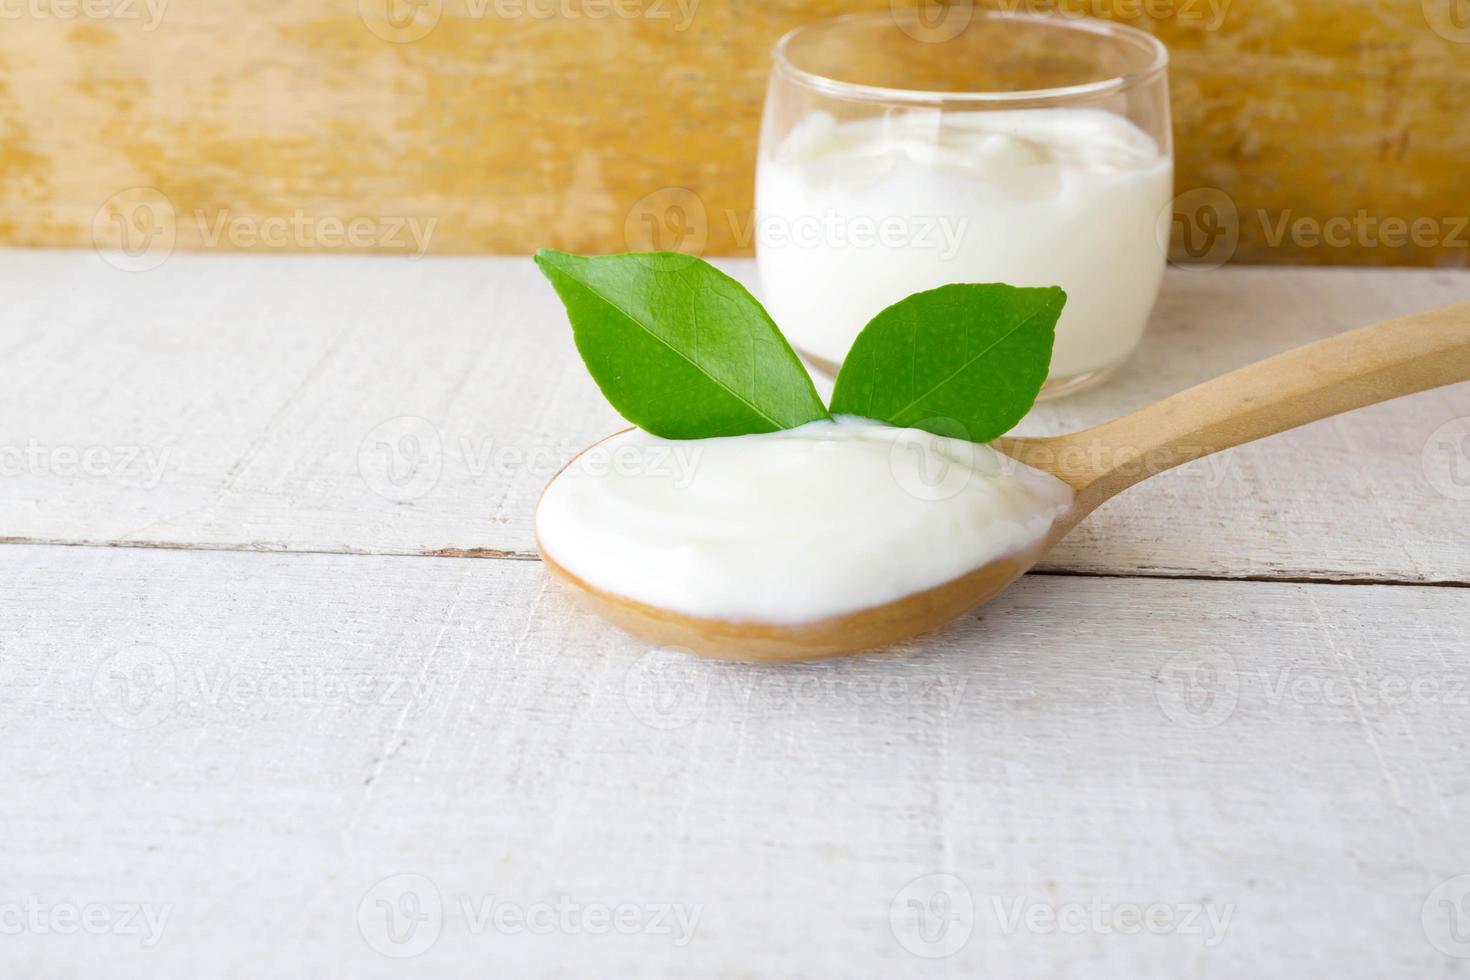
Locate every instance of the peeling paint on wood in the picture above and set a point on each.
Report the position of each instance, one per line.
(496, 126)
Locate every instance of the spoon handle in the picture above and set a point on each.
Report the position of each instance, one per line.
(1352, 370)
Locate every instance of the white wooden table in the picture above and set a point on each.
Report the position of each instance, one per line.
(284, 691)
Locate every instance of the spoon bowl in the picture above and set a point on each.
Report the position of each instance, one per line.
(1352, 370)
(866, 629)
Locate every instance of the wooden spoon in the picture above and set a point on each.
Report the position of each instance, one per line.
(1352, 370)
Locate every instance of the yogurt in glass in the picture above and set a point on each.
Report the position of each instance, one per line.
(853, 217)
(899, 154)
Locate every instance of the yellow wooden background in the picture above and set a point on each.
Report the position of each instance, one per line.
(473, 126)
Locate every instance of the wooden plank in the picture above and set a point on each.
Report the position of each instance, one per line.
(504, 125)
(380, 405)
(1377, 493)
(250, 744)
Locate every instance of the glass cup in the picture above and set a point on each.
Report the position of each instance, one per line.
(904, 150)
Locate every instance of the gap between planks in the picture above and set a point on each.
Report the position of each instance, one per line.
(494, 554)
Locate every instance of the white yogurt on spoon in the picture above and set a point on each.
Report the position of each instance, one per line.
(792, 526)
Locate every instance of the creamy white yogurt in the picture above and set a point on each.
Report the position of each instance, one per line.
(792, 526)
(852, 217)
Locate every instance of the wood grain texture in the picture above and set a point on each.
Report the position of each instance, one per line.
(871, 629)
(473, 126)
(1325, 379)
(256, 741)
(359, 404)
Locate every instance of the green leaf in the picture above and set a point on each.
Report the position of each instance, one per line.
(965, 360)
(680, 349)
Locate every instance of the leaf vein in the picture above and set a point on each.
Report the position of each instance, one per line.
(968, 362)
(692, 363)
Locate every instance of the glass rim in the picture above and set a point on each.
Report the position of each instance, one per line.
(858, 91)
